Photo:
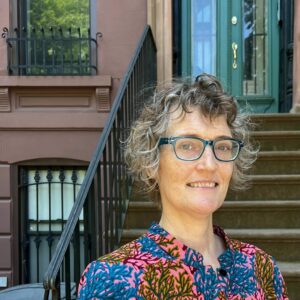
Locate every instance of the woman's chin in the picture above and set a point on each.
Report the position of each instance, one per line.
(204, 206)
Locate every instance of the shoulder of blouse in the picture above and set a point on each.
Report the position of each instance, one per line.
(266, 269)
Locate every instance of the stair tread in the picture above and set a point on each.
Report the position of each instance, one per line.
(289, 268)
(275, 116)
(286, 133)
(263, 176)
(228, 203)
(262, 203)
(265, 232)
(278, 153)
(252, 232)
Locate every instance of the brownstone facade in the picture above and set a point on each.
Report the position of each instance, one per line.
(57, 120)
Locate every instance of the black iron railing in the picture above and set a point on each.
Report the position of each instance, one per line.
(106, 187)
(51, 51)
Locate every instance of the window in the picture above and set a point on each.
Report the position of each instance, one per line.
(255, 56)
(52, 38)
(46, 199)
(203, 37)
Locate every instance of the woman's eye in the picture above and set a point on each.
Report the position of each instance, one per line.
(224, 147)
(186, 147)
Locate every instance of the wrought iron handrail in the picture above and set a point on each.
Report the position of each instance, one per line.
(50, 51)
(106, 179)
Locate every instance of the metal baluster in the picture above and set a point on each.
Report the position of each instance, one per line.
(76, 235)
(71, 50)
(62, 178)
(115, 147)
(50, 237)
(100, 210)
(37, 239)
(67, 274)
(105, 201)
(43, 48)
(62, 50)
(51, 46)
(34, 50)
(110, 181)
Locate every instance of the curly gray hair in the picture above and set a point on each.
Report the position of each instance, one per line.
(206, 94)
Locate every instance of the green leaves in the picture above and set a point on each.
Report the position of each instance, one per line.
(59, 13)
(265, 275)
(159, 282)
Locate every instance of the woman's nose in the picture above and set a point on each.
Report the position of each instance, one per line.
(207, 159)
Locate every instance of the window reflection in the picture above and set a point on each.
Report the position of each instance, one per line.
(203, 36)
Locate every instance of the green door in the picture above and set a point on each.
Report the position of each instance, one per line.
(236, 40)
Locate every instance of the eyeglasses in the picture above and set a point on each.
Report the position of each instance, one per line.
(191, 148)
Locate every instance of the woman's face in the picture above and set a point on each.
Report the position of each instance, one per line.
(194, 187)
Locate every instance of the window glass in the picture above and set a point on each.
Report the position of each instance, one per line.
(203, 36)
(47, 197)
(255, 56)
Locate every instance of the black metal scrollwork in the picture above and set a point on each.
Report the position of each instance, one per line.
(5, 32)
(99, 35)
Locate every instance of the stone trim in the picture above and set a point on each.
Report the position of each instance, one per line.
(159, 17)
(4, 100)
(56, 81)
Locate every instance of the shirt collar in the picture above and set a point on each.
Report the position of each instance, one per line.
(180, 251)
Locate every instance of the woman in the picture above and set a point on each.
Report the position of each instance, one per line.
(191, 145)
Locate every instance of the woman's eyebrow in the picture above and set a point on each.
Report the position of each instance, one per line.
(193, 135)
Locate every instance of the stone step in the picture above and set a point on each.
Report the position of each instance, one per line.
(263, 187)
(291, 275)
(277, 162)
(283, 244)
(140, 214)
(282, 121)
(259, 214)
(233, 214)
(270, 187)
(277, 140)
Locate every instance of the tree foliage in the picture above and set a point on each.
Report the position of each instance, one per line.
(59, 13)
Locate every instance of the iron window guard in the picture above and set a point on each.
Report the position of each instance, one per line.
(51, 51)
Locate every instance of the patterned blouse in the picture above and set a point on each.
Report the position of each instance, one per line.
(158, 266)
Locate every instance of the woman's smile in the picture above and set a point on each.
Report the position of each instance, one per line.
(202, 184)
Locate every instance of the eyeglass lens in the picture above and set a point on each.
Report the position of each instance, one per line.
(190, 149)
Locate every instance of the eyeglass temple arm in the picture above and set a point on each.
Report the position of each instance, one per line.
(164, 141)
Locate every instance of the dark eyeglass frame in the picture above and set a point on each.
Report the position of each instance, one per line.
(172, 141)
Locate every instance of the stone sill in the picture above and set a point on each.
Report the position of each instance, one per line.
(56, 81)
(56, 121)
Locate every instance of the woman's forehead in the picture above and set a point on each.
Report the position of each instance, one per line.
(194, 121)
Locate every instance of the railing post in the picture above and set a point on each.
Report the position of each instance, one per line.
(56, 291)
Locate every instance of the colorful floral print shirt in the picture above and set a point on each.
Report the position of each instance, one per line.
(158, 266)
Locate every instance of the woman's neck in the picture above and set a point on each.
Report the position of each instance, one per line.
(196, 233)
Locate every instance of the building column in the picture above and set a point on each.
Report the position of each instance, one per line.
(296, 63)
(6, 248)
(160, 19)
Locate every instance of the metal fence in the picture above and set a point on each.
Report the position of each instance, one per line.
(106, 187)
(50, 51)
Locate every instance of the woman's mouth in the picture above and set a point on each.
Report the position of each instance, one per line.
(200, 184)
